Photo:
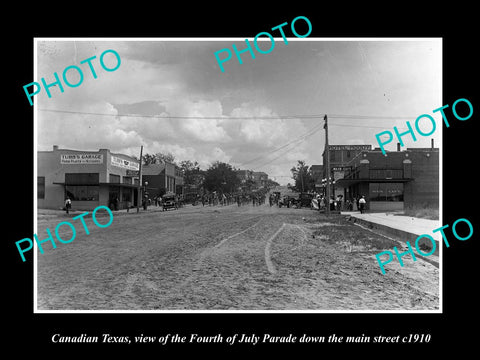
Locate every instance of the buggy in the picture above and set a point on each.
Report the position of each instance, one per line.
(287, 201)
(304, 200)
(169, 202)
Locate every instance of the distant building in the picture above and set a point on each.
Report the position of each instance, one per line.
(88, 178)
(340, 157)
(260, 178)
(162, 178)
(244, 175)
(316, 172)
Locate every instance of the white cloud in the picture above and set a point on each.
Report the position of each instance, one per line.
(201, 128)
(205, 129)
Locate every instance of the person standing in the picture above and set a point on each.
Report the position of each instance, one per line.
(68, 204)
(332, 203)
(338, 203)
(362, 203)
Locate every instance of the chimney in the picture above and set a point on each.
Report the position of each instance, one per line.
(432, 144)
(55, 147)
(398, 146)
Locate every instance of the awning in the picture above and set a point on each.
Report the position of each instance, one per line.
(349, 182)
(101, 184)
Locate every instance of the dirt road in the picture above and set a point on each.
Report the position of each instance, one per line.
(228, 258)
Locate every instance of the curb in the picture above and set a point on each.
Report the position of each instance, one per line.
(402, 235)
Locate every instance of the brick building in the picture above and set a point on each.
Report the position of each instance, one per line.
(316, 172)
(340, 157)
(162, 178)
(395, 181)
(260, 178)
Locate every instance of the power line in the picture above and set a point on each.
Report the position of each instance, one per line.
(276, 117)
(298, 116)
(368, 117)
(363, 126)
(301, 137)
(283, 153)
(295, 142)
(270, 161)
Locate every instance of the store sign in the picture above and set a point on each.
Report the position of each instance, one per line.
(124, 164)
(81, 158)
(133, 173)
(350, 147)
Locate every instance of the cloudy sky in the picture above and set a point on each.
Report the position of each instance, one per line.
(256, 115)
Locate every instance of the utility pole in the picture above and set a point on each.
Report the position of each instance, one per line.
(327, 166)
(301, 176)
(139, 180)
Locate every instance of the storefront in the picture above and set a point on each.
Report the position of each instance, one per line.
(88, 178)
(395, 181)
(381, 195)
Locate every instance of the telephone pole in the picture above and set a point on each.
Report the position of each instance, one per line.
(139, 180)
(327, 167)
(301, 176)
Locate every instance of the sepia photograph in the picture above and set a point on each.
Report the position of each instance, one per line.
(266, 174)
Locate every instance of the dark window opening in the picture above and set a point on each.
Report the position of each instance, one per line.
(40, 187)
(81, 179)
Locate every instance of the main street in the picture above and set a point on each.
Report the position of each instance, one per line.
(227, 258)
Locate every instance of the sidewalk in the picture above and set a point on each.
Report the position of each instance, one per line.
(405, 228)
(45, 214)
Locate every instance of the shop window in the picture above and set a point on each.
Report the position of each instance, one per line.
(386, 191)
(377, 192)
(40, 187)
(82, 186)
(82, 192)
(127, 180)
(394, 191)
(114, 179)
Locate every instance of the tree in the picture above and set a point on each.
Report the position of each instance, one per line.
(249, 184)
(192, 175)
(221, 177)
(158, 158)
(165, 157)
(303, 177)
(149, 159)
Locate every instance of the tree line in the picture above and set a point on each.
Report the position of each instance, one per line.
(220, 176)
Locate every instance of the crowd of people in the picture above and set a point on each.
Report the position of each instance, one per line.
(218, 199)
(337, 203)
(240, 199)
(319, 201)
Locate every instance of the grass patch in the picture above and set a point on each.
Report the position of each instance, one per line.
(422, 213)
(353, 236)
